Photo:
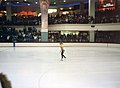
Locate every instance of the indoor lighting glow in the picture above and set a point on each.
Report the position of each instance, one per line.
(70, 8)
(28, 4)
(15, 14)
(52, 10)
(61, 8)
(18, 2)
(5, 11)
(54, 2)
(64, 1)
(66, 12)
(39, 14)
(36, 2)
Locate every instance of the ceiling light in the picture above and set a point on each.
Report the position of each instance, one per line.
(54, 2)
(70, 8)
(28, 4)
(18, 2)
(5, 11)
(61, 8)
(64, 1)
(36, 2)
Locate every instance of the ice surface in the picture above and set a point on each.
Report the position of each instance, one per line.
(40, 67)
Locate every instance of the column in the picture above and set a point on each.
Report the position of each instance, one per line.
(92, 14)
(44, 5)
(92, 8)
(92, 35)
(9, 13)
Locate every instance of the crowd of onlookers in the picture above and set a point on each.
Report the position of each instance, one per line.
(107, 36)
(100, 17)
(20, 20)
(9, 34)
(70, 18)
(70, 37)
(31, 34)
(108, 16)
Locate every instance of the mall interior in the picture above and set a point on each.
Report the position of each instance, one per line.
(79, 21)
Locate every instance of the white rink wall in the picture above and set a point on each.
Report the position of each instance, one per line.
(57, 44)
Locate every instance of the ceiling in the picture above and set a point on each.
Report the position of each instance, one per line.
(52, 2)
(66, 1)
(57, 3)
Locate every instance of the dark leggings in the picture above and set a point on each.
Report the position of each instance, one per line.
(62, 55)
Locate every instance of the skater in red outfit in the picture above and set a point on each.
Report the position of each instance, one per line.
(62, 51)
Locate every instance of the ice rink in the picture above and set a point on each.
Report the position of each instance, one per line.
(40, 67)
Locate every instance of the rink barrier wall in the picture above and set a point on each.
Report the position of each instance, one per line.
(57, 45)
(76, 27)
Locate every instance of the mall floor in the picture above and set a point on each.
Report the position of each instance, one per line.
(40, 67)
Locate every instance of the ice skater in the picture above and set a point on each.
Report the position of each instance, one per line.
(62, 51)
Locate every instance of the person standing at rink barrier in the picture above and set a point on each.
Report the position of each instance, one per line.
(62, 51)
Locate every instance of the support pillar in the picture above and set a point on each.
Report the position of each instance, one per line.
(92, 8)
(9, 13)
(92, 14)
(92, 35)
(44, 5)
